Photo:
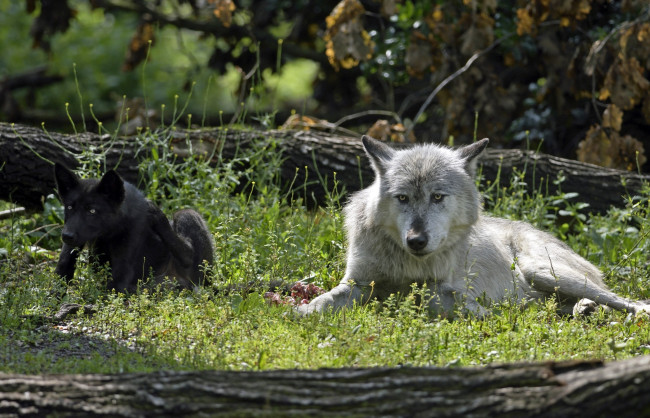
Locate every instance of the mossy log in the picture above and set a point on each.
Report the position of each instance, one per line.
(565, 389)
(312, 163)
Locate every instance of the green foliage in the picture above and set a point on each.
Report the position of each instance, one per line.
(90, 57)
(571, 75)
(98, 70)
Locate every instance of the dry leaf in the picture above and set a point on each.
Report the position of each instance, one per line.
(384, 131)
(305, 123)
(613, 117)
(608, 148)
(347, 43)
(538, 11)
(380, 130)
(635, 43)
(625, 84)
(223, 10)
(525, 22)
(437, 15)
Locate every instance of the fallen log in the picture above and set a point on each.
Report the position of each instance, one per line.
(312, 162)
(564, 389)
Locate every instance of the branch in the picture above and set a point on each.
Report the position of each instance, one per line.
(214, 27)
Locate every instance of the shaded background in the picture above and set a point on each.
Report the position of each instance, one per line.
(569, 77)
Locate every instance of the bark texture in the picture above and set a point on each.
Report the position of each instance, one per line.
(312, 163)
(585, 389)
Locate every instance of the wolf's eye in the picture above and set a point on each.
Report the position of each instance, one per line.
(69, 207)
(437, 197)
(92, 211)
(402, 198)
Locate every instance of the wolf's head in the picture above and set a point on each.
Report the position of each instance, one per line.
(91, 206)
(427, 194)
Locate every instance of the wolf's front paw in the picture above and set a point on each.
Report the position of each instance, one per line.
(319, 304)
(304, 310)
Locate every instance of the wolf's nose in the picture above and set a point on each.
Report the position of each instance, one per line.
(67, 237)
(416, 241)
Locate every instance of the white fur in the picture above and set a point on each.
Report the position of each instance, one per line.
(427, 194)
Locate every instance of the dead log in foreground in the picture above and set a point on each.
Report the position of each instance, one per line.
(586, 389)
(310, 160)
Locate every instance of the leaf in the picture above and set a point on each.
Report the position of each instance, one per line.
(625, 84)
(538, 11)
(379, 130)
(305, 123)
(223, 10)
(613, 117)
(384, 131)
(347, 43)
(525, 22)
(611, 149)
(634, 42)
(437, 15)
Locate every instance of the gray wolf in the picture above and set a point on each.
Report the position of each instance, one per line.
(122, 228)
(421, 222)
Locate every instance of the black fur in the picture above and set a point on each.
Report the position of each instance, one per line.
(122, 228)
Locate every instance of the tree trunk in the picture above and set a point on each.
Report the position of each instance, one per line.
(586, 389)
(312, 162)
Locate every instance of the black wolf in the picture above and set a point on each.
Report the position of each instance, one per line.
(122, 228)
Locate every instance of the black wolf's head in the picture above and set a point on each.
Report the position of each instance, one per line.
(91, 206)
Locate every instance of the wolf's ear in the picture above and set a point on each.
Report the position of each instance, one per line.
(379, 153)
(112, 186)
(470, 152)
(65, 180)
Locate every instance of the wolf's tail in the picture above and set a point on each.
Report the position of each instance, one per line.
(190, 226)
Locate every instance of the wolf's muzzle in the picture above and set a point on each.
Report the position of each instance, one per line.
(416, 241)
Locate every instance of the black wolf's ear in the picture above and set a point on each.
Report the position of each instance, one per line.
(470, 152)
(65, 180)
(379, 153)
(112, 186)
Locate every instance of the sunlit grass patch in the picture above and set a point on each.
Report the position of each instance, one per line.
(262, 235)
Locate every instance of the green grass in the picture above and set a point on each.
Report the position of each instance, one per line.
(261, 235)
